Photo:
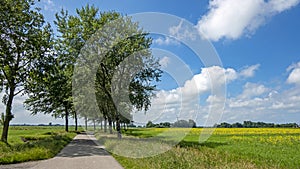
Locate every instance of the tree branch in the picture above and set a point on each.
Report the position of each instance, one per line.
(19, 92)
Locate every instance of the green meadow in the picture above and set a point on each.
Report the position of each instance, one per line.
(226, 148)
(29, 143)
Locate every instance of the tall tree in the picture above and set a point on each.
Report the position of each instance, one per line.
(127, 70)
(51, 88)
(24, 41)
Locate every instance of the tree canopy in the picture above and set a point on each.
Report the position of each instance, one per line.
(25, 39)
(117, 63)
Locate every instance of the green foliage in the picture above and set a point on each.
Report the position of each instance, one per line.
(118, 53)
(160, 125)
(185, 124)
(25, 40)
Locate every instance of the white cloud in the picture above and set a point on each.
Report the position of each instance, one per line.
(271, 106)
(165, 41)
(182, 31)
(294, 76)
(195, 100)
(293, 66)
(253, 90)
(210, 78)
(249, 71)
(183, 102)
(164, 61)
(49, 5)
(23, 116)
(282, 5)
(231, 19)
(260, 103)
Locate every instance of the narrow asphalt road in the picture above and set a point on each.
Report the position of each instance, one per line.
(81, 153)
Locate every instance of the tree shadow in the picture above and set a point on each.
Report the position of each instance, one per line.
(141, 137)
(183, 143)
(82, 147)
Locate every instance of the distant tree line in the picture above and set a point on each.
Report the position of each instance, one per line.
(180, 123)
(250, 124)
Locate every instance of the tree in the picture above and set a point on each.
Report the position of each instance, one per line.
(184, 123)
(117, 65)
(150, 124)
(127, 71)
(24, 42)
(52, 87)
(192, 123)
(75, 31)
(49, 89)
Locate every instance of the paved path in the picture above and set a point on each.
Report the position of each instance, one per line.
(81, 153)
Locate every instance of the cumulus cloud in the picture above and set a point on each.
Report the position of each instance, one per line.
(264, 104)
(294, 76)
(231, 19)
(253, 90)
(184, 102)
(260, 103)
(249, 71)
(196, 100)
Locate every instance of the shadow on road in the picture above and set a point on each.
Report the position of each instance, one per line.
(82, 147)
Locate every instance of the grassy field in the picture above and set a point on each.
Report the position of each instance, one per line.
(226, 148)
(40, 143)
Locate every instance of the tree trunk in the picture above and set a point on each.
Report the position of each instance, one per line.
(110, 126)
(101, 125)
(67, 119)
(105, 125)
(85, 120)
(118, 125)
(94, 124)
(114, 126)
(76, 121)
(8, 115)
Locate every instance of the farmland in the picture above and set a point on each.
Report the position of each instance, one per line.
(226, 148)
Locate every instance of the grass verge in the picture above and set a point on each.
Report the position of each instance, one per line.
(33, 143)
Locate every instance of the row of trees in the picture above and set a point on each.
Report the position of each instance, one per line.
(39, 64)
(180, 123)
(250, 124)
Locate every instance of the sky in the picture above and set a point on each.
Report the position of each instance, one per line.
(256, 41)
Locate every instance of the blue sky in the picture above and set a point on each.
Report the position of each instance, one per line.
(257, 41)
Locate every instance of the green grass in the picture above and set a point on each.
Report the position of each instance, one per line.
(226, 148)
(42, 143)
